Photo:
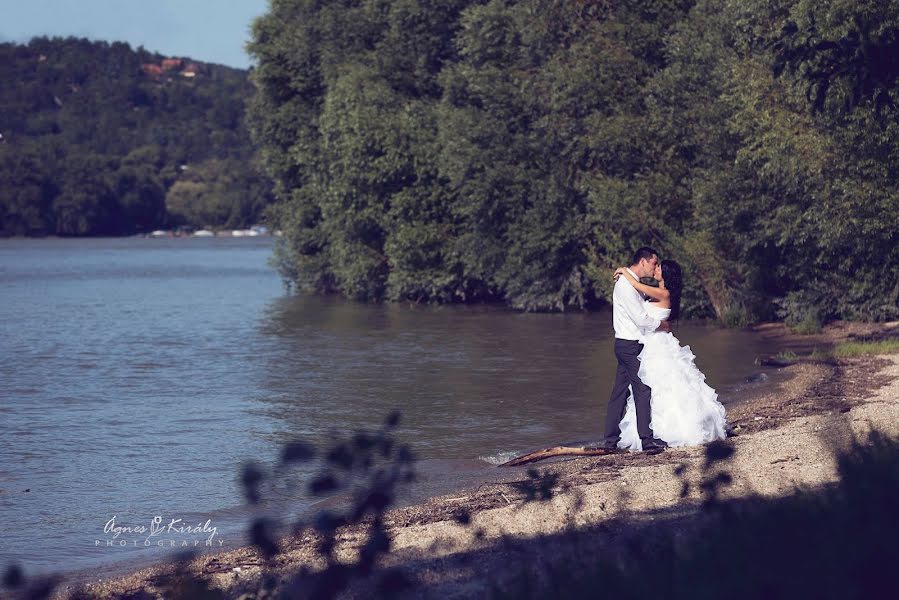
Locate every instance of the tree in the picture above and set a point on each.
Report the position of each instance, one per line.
(517, 150)
(75, 98)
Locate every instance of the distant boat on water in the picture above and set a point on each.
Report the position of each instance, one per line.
(251, 232)
(254, 231)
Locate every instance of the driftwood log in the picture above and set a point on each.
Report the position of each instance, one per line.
(773, 361)
(556, 451)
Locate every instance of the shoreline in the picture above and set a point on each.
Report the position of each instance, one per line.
(428, 509)
(824, 404)
(464, 469)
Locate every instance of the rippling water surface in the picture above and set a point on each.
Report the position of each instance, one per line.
(137, 376)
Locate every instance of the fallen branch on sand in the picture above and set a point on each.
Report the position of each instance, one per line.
(556, 451)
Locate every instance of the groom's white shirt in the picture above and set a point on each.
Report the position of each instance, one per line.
(629, 316)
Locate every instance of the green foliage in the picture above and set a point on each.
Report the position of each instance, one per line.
(848, 349)
(215, 193)
(786, 356)
(28, 189)
(519, 150)
(92, 143)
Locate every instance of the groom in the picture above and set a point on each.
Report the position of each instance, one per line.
(631, 322)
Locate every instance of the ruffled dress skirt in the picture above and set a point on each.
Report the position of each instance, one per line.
(685, 410)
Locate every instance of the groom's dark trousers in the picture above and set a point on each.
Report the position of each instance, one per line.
(627, 353)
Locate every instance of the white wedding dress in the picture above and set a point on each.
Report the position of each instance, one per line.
(685, 410)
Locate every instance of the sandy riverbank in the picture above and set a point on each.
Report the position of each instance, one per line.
(459, 545)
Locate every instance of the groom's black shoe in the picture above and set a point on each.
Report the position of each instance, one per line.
(653, 445)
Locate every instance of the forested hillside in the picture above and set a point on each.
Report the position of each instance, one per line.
(101, 139)
(459, 150)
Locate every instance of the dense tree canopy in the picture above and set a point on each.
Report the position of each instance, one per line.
(516, 150)
(99, 139)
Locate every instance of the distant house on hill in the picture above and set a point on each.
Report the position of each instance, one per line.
(191, 70)
(150, 69)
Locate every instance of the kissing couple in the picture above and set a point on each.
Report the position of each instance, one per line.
(660, 398)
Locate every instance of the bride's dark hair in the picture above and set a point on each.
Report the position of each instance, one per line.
(671, 273)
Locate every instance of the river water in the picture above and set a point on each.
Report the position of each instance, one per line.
(138, 375)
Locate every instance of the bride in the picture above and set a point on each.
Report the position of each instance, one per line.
(684, 410)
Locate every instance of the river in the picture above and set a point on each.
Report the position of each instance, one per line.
(138, 375)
